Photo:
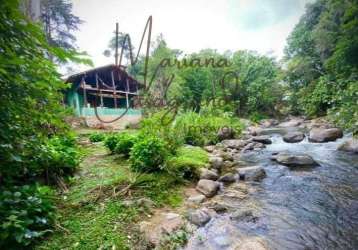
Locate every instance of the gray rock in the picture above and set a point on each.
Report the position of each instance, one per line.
(160, 225)
(252, 243)
(145, 202)
(228, 178)
(293, 137)
(291, 123)
(216, 162)
(254, 130)
(234, 143)
(295, 160)
(241, 214)
(253, 173)
(325, 135)
(227, 156)
(208, 174)
(222, 241)
(225, 133)
(199, 217)
(197, 199)
(142, 202)
(219, 207)
(208, 188)
(349, 146)
(228, 164)
(262, 139)
(266, 123)
(253, 146)
(209, 148)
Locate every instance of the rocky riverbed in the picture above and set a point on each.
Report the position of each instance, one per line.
(289, 185)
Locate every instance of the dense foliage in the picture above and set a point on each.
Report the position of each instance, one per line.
(125, 143)
(35, 145)
(251, 81)
(30, 91)
(322, 60)
(148, 154)
(97, 137)
(59, 22)
(59, 156)
(26, 213)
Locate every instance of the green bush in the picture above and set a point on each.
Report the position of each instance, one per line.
(59, 156)
(125, 142)
(148, 154)
(200, 130)
(26, 214)
(161, 125)
(97, 137)
(257, 117)
(111, 142)
(187, 161)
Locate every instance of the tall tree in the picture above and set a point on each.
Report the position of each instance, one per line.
(59, 23)
(322, 65)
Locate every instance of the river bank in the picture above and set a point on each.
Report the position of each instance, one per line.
(289, 185)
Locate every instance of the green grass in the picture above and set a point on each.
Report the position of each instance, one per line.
(188, 160)
(90, 216)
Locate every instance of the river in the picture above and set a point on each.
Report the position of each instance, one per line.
(304, 208)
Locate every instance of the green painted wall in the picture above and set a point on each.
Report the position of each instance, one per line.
(75, 100)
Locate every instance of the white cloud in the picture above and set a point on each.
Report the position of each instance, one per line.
(189, 25)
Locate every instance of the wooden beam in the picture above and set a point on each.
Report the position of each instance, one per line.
(84, 93)
(99, 89)
(114, 87)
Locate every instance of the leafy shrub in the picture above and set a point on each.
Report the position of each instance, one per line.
(148, 154)
(257, 117)
(59, 156)
(161, 125)
(97, 137)
(125, 142)
(200, 130)
(111, 142)
(26, 214)
(187, 162)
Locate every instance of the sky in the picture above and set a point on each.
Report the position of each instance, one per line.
(189, 25)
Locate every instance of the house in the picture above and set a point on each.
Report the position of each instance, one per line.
(108, 89)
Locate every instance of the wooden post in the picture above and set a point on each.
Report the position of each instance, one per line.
(114, 90)
(83, 84)
(127, 93)
(100, 90)
(116, 53)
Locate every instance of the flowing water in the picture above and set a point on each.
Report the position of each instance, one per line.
(311, 208)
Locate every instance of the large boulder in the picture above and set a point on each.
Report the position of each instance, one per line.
(225, 133)
(209, 148)
(349, 146)
(325, 135)
(294, 160)
(242, 214)
(208, 174)
(216, 162)
(228, 178)
(293, 137)
(266, 123)
(208, 188)
(253, 173)
(291, 123)
(197, 199)
(160, 225)
(199, 217)
(265, 139)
